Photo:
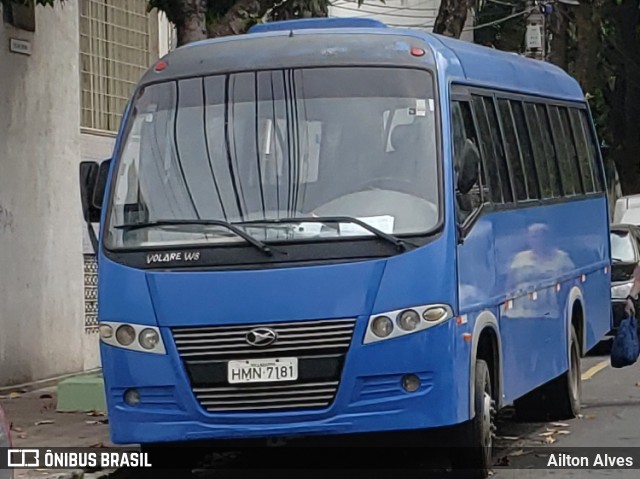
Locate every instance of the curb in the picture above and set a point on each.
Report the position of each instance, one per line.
(74, 474)
(97, 475)
(43, 383)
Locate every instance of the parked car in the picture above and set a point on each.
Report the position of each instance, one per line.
(5, 441)
(627, 210)
(625, 255)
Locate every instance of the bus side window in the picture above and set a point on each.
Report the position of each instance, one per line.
(464, 129)
(582, 146)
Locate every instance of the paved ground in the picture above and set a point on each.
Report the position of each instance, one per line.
(610, 418)
(35, 423)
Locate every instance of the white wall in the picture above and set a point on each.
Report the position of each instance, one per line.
(420, 14)
(99, 148)
(41, 287)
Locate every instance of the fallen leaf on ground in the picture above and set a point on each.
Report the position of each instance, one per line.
(589, 417)
(100, 445)
(16, 429)
(22, 436)
(100, 421)
(46, 421)
(13, 395)
(519, 452)
(560, 424)
(546, 434)
(564, 432)
(549, 440)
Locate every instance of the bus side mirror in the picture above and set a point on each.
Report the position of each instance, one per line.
(469, 167)
(93, 181)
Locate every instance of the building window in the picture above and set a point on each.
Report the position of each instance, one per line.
(115, 51)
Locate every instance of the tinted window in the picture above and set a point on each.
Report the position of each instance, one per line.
(486, 150)
(526, 150)
(592, 150)
(549, 151)
(499, 156)
(463, 130)
(564, 144)
(511, 149)
(570, 143)
(582, 149)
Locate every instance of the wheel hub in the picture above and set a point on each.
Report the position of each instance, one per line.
(487, 419)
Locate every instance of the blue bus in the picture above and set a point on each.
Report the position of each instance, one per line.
(331, 227)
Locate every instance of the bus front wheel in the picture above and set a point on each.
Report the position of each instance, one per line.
(473, 456)
(560, 397)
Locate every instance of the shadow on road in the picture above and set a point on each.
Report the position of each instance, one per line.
(603, 348)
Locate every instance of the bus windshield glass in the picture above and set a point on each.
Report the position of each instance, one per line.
(253, 147)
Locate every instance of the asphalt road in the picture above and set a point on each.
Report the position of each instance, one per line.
(610, 419)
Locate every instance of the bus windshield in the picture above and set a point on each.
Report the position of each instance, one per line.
(253, 147)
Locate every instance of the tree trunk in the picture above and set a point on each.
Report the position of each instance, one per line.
(452, 16)
(588, 44)
(625, 108)
(192, 24)
(240, 17)
(558, 45)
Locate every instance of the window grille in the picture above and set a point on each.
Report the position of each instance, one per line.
(115, 51)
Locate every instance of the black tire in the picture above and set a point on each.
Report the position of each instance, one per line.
(474, 458)
(557, 399)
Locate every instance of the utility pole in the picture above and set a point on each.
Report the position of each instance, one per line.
(535, 43)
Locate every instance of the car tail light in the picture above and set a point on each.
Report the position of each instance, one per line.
(5, 424)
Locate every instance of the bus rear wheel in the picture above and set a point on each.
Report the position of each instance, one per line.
(473, 456)
(560, 397)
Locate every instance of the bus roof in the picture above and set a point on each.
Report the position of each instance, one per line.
(367, 40)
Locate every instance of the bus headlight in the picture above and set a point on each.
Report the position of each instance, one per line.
(133, 337)
(408, 320)
(125, 335)
(106, 331)
(148, 338)
(382, 326)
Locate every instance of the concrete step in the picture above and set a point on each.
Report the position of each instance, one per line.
(82, 393)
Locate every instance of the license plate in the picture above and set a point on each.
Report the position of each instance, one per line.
(262, 370)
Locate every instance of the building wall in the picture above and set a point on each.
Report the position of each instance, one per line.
(47, 269)
(41, 292)
(419, 14)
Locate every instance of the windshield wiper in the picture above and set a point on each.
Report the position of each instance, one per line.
(225, 224)
(398, 243)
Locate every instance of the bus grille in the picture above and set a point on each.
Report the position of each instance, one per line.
(320, 347)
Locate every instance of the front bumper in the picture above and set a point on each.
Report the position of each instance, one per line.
(370, 397)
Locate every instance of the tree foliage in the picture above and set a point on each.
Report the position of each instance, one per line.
(47, 3)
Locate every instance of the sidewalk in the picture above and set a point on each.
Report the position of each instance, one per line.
(35, 423)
